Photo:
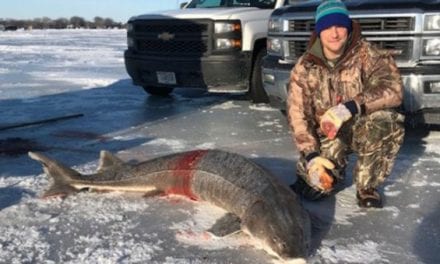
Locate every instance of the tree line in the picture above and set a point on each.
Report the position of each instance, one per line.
(60, 23)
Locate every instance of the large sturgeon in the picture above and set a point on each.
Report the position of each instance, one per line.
(269, 212)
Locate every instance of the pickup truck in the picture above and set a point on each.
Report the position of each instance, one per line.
(409, 29)
(217, 45)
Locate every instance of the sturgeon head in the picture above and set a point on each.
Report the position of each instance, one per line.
(283, 232)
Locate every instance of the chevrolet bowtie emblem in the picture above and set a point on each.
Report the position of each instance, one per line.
(165, 36)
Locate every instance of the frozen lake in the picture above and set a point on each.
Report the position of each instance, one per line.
(53, 73)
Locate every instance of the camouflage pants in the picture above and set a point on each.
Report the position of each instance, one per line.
(375, 138)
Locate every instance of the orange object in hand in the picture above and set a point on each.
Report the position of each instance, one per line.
(333, 119)
(326, 181)
(329, 129)
(318, 175)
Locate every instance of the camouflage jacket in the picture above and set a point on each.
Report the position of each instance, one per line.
(364, 73)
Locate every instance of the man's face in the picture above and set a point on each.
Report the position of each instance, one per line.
(333, 40)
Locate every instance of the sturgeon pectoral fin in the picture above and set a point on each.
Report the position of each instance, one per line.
(227, 225)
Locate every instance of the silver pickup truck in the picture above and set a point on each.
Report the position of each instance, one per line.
(409, 29)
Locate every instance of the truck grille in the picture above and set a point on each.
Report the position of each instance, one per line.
(159, 47)
(297, 48)
(181, 27)
(367, 24)
(401, 49)
(387, 24)
(172, 37)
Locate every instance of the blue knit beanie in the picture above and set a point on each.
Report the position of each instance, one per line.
(331, 13)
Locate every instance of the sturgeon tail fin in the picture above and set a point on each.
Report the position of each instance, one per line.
(61, 175)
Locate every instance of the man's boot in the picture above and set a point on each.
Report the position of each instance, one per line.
(368, 198)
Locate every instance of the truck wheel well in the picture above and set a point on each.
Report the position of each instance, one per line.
(256, 91)
(259, 44)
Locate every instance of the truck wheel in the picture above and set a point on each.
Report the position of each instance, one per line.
(256, 90)
(161, 91)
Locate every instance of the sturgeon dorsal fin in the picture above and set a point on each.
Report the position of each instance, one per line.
(108, 160)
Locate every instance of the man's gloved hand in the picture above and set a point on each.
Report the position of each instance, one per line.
(318, 174)
(333, 118)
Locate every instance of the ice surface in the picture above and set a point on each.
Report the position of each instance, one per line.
(47, 73)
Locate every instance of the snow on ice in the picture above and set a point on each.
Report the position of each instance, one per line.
(46, 73)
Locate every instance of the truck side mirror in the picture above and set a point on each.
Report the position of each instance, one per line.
(182, 5)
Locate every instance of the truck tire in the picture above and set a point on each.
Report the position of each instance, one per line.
(160, 91)
(257, 94)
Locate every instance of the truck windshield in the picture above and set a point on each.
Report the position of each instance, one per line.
(231, 3)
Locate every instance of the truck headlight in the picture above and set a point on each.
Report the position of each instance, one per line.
(432, 22)
(224, 43)
(274, 46)
(130, 42)
(431, 47)
(227, 35)
(275, 24)
(225, 27)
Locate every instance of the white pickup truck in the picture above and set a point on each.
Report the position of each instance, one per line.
(217, 45)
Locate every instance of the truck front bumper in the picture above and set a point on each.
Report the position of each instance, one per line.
(422, 93)
(218, 73)
(421, 89)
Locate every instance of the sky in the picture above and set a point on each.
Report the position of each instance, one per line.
(118, 10)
